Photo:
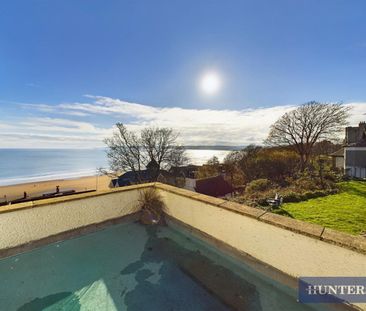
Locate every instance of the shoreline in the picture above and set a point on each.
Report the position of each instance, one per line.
(16, 180)
(16, 191)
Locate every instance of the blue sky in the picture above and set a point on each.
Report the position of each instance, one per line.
(140, 62)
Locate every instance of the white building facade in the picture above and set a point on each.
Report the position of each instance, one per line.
(355, 161)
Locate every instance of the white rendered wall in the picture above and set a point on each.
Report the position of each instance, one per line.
(48, 218)
(293, 253)
(339, 162)
(190, 184)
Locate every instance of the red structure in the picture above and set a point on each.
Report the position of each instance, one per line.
(214, 186)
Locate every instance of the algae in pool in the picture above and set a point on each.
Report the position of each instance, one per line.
(132, 267)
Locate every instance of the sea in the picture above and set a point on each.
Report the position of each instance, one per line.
(32, 165)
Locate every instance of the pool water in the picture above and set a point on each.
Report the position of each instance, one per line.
(133, 267)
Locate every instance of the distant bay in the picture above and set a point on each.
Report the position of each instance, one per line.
(32, 165)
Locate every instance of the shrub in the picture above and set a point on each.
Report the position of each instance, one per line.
(152, 206)
(306, 183)
(332, 176)
(254, 196)
(311, 195)
(319, 193)
(256, 199)
(258, 185)
(292, 196)
(333, 191)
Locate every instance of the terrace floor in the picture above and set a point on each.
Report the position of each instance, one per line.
(132, 267)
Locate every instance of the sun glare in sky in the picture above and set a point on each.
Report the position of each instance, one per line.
(210, 83)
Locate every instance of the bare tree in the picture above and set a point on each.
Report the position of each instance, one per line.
(178, 156)
(302, 127)
(154, 147)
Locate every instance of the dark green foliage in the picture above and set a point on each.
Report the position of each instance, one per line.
(292, 196)
(258, 185)
(289, 194)
(257, 198)
(271, 170)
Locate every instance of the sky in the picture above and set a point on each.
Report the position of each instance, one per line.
(71, 69)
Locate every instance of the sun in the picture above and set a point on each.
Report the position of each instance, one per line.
(210, 83)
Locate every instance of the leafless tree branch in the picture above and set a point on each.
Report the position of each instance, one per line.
(128, 151)
(302, 127)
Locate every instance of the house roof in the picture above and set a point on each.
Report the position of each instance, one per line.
(214, 186)
(361, 143)
(130, 177)
(338, 153)
(144, 174)
(184, 171)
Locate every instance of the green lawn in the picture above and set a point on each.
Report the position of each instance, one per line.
(345, 211)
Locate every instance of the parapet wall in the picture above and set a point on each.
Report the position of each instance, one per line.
(294, 247)
(32, 221)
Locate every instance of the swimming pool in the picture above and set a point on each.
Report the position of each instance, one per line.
(133, 267)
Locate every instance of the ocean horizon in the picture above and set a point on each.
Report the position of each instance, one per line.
(35, 165)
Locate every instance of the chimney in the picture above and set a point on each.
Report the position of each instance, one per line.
(362, 130)
(351, 135)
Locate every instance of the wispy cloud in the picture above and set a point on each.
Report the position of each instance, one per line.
(58, 109)
(196, 126)
(60, 125)
(31, 84)
(52, 133)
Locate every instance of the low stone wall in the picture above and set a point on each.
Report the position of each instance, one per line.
(25, 223)
(294, 247)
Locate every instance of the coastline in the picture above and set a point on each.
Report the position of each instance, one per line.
(38, 188)
(37, 171)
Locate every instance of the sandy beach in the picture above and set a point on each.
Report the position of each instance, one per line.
(38, 188)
